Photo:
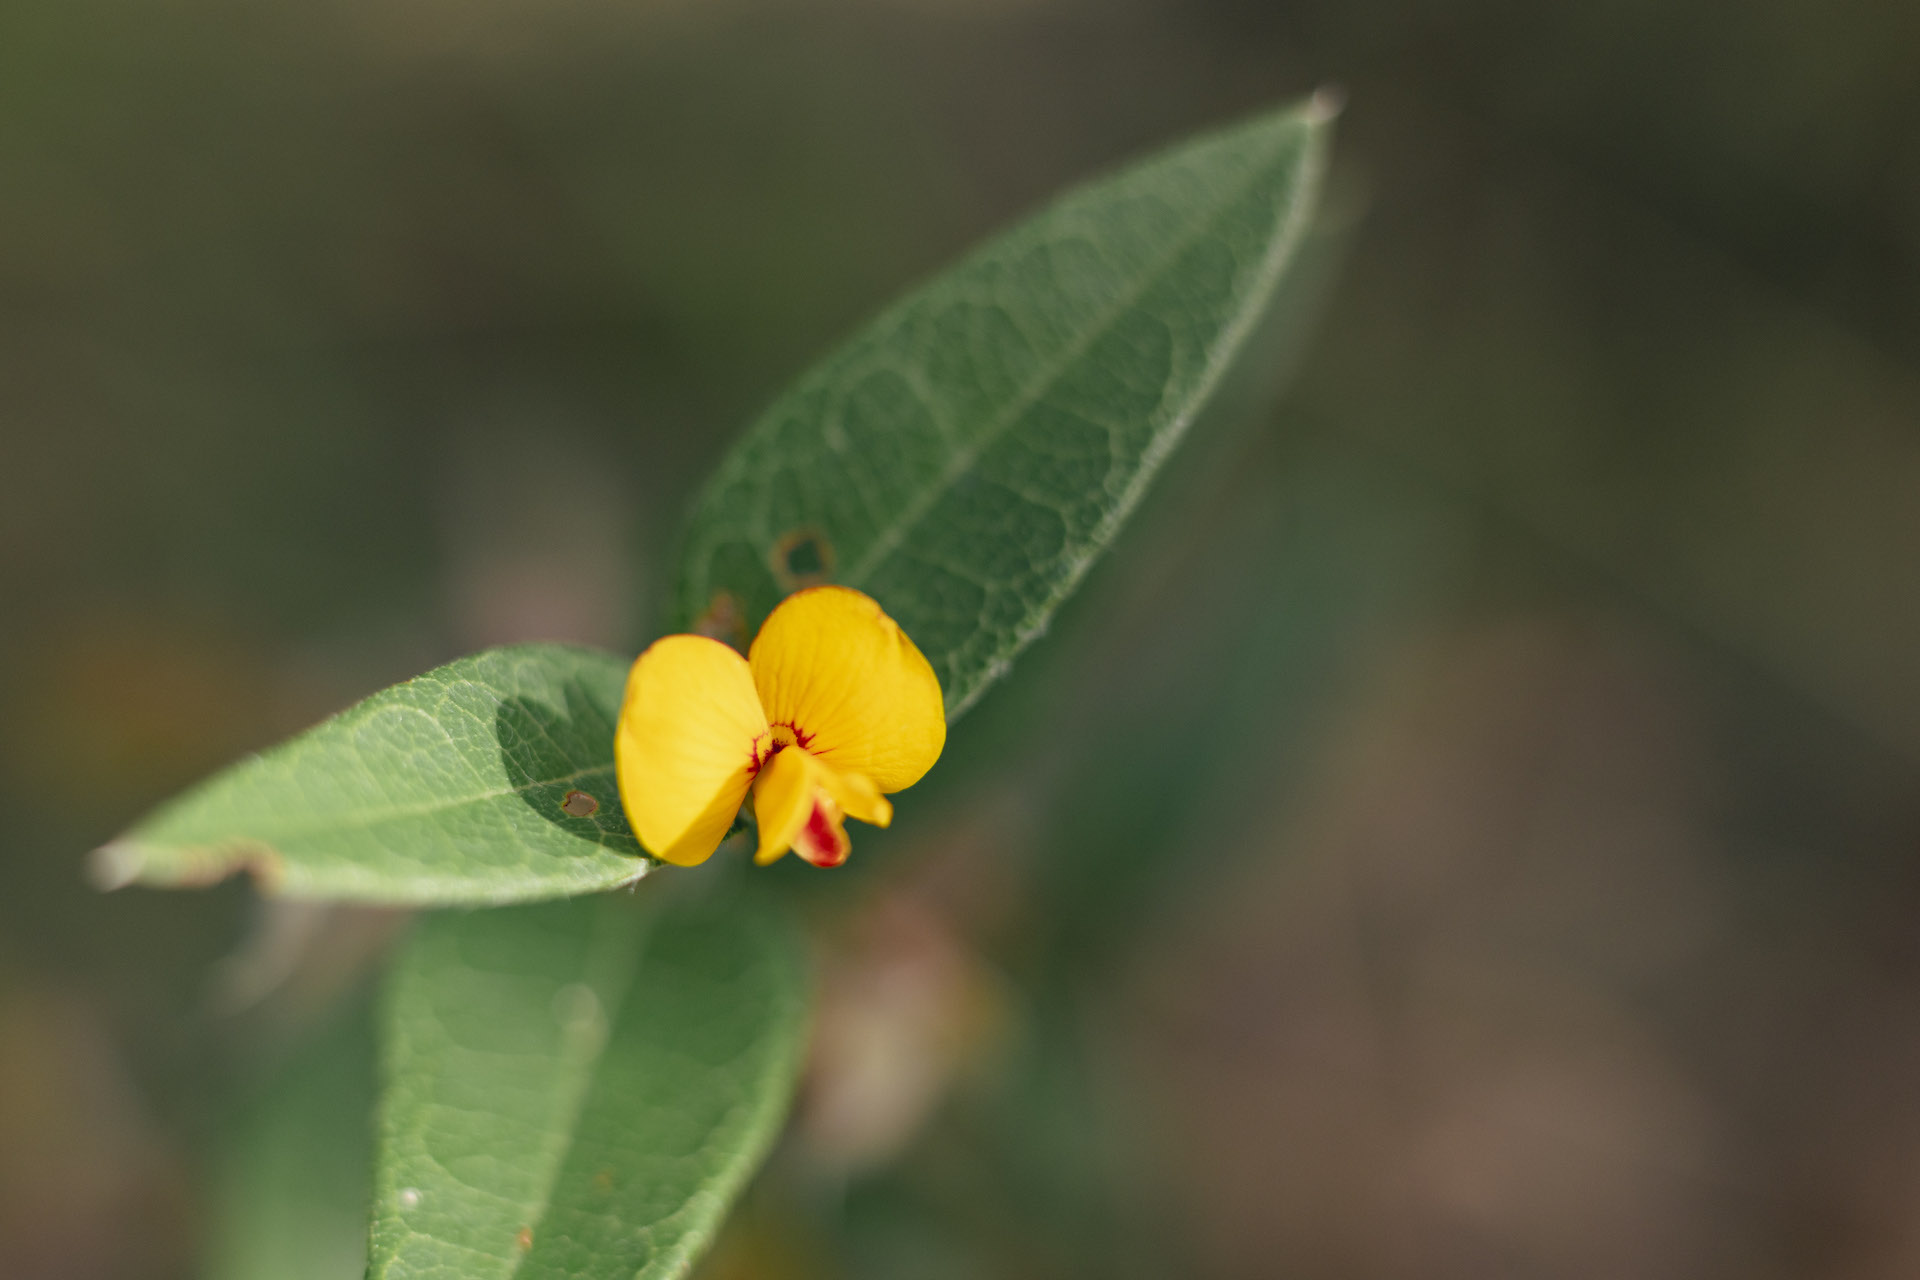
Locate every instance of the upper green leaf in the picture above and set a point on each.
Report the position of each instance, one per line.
(963, 460)
(966, 457)
(445, 789)
(579, 1089)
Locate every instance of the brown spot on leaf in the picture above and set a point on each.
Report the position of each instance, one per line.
(603, 1182)
(724, 620)
(524, 1239)
(802, 558)
(578, 804)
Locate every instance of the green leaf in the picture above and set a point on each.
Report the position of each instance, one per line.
(289, 1197)
(579, 1089)
(445, 789)
(967, 456)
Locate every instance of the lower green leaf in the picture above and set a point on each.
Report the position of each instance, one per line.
(289, 1198)
(580, 1089)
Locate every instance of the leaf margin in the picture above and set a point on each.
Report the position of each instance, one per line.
(147, 854)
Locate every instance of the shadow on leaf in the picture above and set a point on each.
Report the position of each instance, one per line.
(560, 762)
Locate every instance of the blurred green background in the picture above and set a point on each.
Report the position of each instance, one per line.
(1468, 827)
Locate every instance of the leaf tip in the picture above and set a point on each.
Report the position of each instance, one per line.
(114, 865)
(120, 863)
(1325, 104)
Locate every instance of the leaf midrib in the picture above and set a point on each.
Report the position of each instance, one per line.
(969, 453)
(1220, 354)
(611, 1009)
(368, 818)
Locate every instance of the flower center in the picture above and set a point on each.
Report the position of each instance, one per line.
(776, 739)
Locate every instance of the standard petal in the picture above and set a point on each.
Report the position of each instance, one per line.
(831, 664)
(685, 745)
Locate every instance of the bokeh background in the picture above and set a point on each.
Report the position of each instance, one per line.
(1468, 827)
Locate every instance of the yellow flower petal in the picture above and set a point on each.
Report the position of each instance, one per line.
(858, 693)
(857, 795)
(783, 796)
(685, 745)
(801, 803)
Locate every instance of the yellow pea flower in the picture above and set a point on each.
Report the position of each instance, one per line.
(832, 708)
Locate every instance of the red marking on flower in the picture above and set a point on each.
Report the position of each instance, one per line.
(822, 841)
(768, 745)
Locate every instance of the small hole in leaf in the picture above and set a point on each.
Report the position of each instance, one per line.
(805, 559)
(802, 558)
(578, 804)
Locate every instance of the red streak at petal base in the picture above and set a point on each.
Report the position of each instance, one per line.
(822, 841)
